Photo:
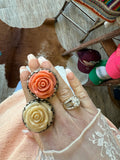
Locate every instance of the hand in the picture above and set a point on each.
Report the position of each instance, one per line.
(67, 125)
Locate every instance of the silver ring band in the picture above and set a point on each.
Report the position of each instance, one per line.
(72, 103)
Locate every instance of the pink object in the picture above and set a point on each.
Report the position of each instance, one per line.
(14, 144)
(113, 64)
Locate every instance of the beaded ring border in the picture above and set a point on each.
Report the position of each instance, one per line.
(55, 88)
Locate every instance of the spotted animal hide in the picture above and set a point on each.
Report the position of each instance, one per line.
(17, 43)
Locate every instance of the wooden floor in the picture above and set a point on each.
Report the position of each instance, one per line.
(100, 96)
(32, 14)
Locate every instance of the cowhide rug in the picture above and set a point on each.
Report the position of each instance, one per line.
(17, 43)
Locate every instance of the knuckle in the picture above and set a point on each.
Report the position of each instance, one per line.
(80, 90)
(47, 64)
(33, 65)
(77, 86)
(82, 95)
(64, 94)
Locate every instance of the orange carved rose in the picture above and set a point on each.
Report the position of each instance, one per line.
(42, 84)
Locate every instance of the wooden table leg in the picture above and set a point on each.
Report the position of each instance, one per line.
(109, 46)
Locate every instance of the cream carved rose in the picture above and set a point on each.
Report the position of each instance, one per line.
(37, 116)
(42, 84)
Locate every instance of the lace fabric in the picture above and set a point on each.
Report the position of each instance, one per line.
(98, 141)
(105, 140)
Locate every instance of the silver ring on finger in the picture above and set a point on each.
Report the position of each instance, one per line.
(72, 103)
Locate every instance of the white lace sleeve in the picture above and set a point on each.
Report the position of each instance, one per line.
(97, 142)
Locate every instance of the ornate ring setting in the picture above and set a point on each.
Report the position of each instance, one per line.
(38, 115)
(72, 103)
(42, 84)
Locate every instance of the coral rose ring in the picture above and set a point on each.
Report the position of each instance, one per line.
(42, 84)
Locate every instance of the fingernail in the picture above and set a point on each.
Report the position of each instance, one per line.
(30, 56)
(69, 74)
(23, 69)
(25, 131)
(41, 59)
(28, 68)
(68, 70)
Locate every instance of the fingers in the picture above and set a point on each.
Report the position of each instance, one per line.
(80, 92)
(33, 62)
(24, 73)
(64, 92)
